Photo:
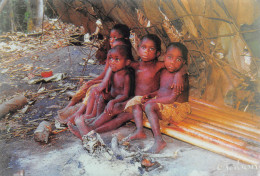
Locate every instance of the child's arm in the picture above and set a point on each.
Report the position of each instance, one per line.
(105, 82)
(178, 83)
(133, 64)
(166, 99)
(122, 97)
(147, 97)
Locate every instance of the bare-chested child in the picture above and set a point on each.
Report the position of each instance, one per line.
(118, 59)
(165, 104)
(147, 73)
(118, 31)
(90, 109)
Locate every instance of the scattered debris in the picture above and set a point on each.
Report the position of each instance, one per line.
(12, 105)
(55, 77)
(58, 125)
(95, 145)
(118, 150)
(42, 132)
(47, 74)
(70, 94)
(93, 75)
(154, 166)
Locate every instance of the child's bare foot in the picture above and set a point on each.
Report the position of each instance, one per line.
(157, 146)
(74, 130)
(137, 135)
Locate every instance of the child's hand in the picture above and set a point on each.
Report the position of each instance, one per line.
(109, 107)
(145, 98)
(102, 87)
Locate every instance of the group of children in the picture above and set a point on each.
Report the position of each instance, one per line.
(129, 89)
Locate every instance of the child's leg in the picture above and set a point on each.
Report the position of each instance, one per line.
(98, 108)
(82, 127)
(138, 116)
(74, 130)
(114, 123)
(152, 111)
(80, 111)
(103, 99)
(91, 101)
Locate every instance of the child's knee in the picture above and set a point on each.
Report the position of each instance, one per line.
(150, 107)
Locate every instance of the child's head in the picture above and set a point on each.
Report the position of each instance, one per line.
(118, 57)
(126, 42)
(149, 47)
(119, 31)
(121, 41)
(175, 57)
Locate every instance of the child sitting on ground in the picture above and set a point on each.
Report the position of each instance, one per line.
(118, 59)
(165, 104)
(74, 107)
(92, 100)
(147, 73)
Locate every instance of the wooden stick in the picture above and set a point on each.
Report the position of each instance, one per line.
(179, 134)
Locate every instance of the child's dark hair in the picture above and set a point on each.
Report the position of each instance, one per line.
(182, 47)
(123, 50)
(122, 29)
(155, 39)
(128, 44)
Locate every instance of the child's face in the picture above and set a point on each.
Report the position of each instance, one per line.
(114, 34)
(173, 60)
(116, 61)
(147, 50)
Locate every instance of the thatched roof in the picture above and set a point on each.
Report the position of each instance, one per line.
(222, 37)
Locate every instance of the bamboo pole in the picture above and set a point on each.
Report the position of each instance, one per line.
(221, 125)
(218, 117)
(207, 137)
(226, 110)
(198, 127)
(235, 124)
(226, 115)
(223, 130)
(181, 135)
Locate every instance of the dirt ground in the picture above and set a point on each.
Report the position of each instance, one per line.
(64, 153)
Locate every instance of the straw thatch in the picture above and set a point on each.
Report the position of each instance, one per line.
(221, 35)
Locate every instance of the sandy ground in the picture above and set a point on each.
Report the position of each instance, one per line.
(65, 155)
